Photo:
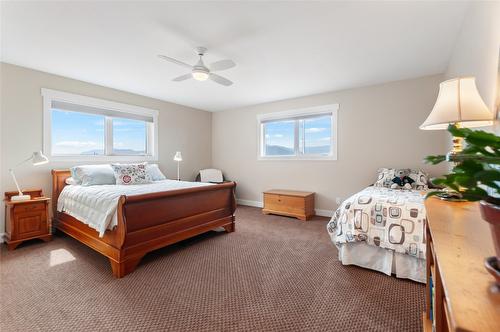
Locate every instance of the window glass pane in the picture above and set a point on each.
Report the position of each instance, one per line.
(75, 133)
(279, 138)
(315, 135)
(129, 137)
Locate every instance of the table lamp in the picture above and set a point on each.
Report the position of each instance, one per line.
(178, 159)
(458, 103)
(37, 158)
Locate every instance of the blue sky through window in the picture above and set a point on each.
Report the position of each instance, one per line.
(129, 136)
(318, 132)
(314, 136)
(280, 138)
(75, 133)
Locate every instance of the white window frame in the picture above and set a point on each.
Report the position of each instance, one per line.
(152, 130)
(291, 115)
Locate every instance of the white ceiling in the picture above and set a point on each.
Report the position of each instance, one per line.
(282, 50)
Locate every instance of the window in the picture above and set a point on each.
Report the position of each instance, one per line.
(300, 134)
(84, 128)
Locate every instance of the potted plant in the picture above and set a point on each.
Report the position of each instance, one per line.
(475, 177)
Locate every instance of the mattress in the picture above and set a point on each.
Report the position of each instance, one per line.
(96, 206)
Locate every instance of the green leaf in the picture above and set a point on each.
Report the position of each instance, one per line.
(468, 166)
(458, 132)
(488, 177)
(433, 193)
(482, 138)
(435, 159)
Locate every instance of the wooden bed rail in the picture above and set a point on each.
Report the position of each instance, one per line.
(150, 221)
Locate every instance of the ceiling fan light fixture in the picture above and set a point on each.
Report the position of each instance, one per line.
(200, 72)
(200, 75)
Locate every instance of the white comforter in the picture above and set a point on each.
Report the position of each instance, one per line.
(96, 205)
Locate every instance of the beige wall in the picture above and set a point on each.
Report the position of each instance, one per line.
(477, 49)
(377, 127)
(180, 128)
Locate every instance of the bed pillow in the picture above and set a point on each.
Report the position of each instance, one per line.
(154, 172)
(129, 174)
(74, 176)
(91, 175)
(385, 176)
(421, 179)
(71, 181)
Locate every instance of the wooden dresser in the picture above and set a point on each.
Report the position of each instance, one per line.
(26, 220)
(465, 295)
(291, 203)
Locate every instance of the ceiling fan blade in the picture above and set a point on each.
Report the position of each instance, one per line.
(222, 65)
(183, 77)
(219, 79)
(180, 63)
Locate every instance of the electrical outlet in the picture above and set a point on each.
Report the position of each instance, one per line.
(338, 200)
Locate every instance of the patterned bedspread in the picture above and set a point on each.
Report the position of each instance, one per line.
(388, 218)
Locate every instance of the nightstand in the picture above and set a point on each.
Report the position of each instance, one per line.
(26, 220)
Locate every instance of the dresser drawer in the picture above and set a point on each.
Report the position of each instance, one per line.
(20, 208)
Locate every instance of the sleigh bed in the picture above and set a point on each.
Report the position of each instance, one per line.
(150, 221)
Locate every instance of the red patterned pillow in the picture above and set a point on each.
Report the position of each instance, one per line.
(127, 174)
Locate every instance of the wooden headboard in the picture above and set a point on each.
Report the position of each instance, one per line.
(59, 177)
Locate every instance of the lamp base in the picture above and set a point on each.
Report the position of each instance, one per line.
(18, 198)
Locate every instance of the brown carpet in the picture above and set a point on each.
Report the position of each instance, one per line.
(272, 274)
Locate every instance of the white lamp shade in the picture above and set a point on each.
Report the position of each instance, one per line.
(39, 158)
(178, 156)
(458, 101)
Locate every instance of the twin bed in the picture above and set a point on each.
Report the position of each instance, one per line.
(124, 223)
(383, 229)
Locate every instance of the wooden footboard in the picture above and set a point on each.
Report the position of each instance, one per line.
(151, 221)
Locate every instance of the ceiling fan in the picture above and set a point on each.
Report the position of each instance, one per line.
(200, 71)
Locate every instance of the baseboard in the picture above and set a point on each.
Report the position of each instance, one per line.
(246, 202)
(324, 213)
(249, 203)
(2, 235)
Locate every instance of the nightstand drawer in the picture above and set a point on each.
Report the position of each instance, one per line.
(20, 208)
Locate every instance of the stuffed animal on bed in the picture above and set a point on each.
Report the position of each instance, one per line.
(402, 180)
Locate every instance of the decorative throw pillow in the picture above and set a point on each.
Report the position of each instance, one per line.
(127, 174)
(154, 172)
(385, 176)
(421, 179)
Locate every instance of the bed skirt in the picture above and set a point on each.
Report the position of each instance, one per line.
(383, 260)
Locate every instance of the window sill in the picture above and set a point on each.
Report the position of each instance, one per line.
(330, 158)
(132, 158)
